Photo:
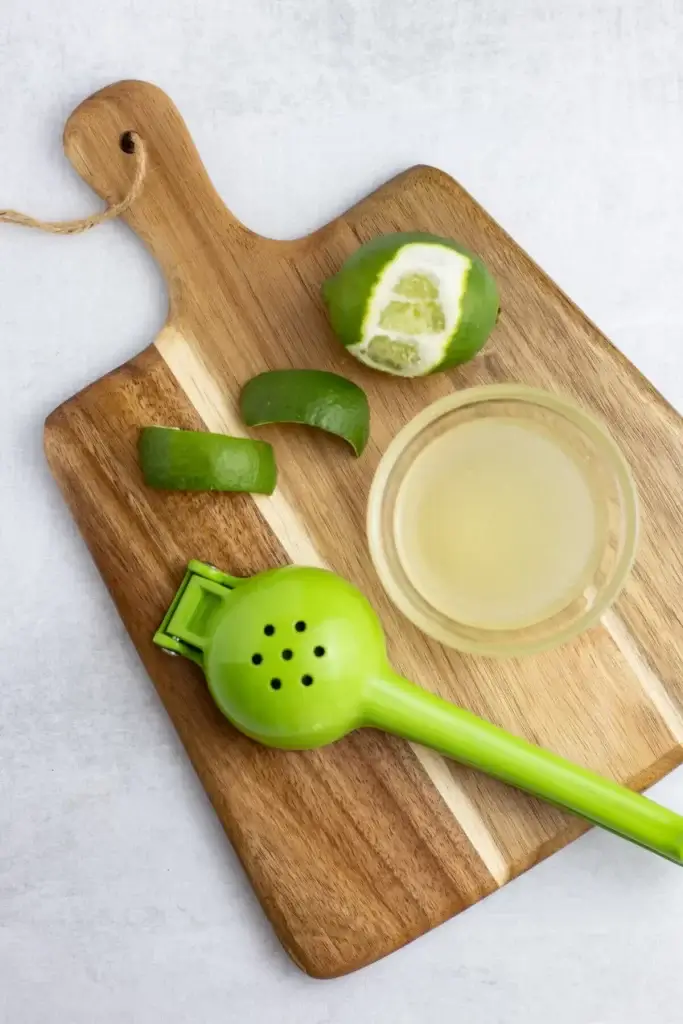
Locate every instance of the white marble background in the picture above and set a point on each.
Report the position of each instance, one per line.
(120, 900)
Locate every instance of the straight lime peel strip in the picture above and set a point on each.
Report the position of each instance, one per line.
(190, 460)
(315, 398)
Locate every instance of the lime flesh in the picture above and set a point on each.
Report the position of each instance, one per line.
(417, 286)
(394, 355)
(421, 317)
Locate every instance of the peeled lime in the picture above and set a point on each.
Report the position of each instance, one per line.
(314, 397)
(412, 304)
(191, 460)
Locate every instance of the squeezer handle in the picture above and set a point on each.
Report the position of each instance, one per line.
(401, 707)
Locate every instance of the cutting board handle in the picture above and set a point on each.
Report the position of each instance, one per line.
(179, 215)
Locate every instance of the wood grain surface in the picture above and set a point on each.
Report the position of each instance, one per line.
(358, 848)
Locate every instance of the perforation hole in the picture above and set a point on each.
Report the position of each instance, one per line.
(307, 680)
(275, 684)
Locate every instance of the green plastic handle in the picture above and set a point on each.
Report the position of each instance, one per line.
(402, 708)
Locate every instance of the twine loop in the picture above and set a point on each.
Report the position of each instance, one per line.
(130, 143)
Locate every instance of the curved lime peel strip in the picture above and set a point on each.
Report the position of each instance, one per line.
(192, 460)
(315, 398)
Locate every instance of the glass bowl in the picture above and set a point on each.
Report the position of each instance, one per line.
(588, 449)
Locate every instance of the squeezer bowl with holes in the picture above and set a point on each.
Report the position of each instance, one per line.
(285, 653)
(297, 687)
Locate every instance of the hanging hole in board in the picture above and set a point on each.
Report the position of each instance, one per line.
(127, 143)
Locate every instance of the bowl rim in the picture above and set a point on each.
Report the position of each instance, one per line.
(590, 425)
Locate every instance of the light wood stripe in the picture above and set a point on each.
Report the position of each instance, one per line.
(464, 811)
(220, 415)
(652, 685)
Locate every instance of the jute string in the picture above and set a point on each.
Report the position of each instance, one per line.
(77, 227)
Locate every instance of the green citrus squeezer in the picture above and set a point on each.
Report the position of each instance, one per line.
(295, 658)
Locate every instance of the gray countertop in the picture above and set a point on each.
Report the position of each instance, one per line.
(120, 898)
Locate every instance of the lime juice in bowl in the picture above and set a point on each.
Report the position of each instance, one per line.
(502, 520)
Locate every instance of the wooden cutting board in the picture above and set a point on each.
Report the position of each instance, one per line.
(358, 848)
